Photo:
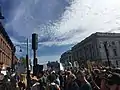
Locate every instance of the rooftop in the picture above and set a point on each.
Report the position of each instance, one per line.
(67, 52)
(5, 35)
(97, 34)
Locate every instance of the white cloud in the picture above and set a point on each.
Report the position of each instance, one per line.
(78, 21)
(92, 15)
(87, 15)
(14, 40)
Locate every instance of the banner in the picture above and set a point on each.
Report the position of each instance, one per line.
(61, 67)
(89, 66)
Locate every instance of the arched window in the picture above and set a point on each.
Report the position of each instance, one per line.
(115, 52)
(113, 43)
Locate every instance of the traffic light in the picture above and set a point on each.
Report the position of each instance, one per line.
(34, 41)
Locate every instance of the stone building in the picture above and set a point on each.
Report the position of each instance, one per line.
(66, 58)
(92, 48)
(6, 48)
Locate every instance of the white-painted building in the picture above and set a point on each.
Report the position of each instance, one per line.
(66, 59)
(92, 48)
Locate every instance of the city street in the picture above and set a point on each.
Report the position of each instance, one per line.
(59, 45)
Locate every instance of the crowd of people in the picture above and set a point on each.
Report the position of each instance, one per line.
(97, 78)
(100, 78)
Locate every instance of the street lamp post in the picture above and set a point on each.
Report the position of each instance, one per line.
(27, 65)
(107, 53)
(34, 47)
(13, 54)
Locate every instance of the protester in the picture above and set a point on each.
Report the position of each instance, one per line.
(113, 81)
(36, 80)
(21, 84)
(5, 82)
(85, 85)
(96, 78)
(52, 85)
(72, 84)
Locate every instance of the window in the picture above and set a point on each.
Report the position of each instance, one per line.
(69, 58)
(0, 55)
(115, 52)
(1, 43)
(113, 43)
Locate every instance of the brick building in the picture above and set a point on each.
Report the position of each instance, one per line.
(6, 48)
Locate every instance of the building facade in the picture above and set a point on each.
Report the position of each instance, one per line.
(55, 65)
(92, 48)
(66, 58)
(6, 48)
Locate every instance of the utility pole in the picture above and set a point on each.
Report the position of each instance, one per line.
(27, 65)
(35, 59)
(13, 55)
(107, 53)
(34, 47)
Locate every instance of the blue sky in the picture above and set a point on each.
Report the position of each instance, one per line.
(60, 24)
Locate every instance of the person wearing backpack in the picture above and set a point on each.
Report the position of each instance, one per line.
(37, 83)
(53, 85)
